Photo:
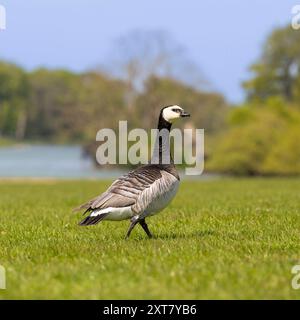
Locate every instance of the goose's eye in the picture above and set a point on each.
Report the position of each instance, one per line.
(176, 110)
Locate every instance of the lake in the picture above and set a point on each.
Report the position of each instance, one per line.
(56, 161)
(45, 161)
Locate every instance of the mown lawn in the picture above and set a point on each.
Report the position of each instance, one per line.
(218, 239)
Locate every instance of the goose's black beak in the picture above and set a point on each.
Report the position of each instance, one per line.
(184, 114)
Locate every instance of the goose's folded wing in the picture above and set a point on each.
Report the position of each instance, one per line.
(126, 190)
(159, 193)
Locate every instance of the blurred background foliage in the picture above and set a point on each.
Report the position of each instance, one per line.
(259, 137)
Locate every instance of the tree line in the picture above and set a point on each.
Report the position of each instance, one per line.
(61, 106)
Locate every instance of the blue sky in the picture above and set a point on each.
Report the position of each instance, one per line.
(222, 37)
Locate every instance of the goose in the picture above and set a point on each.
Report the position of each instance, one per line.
(142, 192)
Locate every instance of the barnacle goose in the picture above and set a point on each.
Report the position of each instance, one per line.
(144, 191)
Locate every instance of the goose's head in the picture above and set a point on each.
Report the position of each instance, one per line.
(171, 113)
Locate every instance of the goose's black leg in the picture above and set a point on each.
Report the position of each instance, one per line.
(134, 220)
(145, 227)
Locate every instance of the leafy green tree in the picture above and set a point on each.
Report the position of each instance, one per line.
(277, 72)
(73, 107)
(54, 104)
(284, 158)
(14, 100)
(259, 141)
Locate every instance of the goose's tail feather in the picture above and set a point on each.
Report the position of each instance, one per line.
(91, 220)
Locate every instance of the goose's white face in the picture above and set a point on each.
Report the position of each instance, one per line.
(172, 113)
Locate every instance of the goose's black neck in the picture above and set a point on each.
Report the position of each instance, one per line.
(163, 124)
(161, 153)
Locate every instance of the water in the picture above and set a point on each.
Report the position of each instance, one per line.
(45, 161)
(52, 161)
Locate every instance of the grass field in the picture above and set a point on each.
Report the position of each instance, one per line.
(218, 239)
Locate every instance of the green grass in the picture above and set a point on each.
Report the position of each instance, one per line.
(218, 239)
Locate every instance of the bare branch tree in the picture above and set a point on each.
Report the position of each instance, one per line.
(138, 55)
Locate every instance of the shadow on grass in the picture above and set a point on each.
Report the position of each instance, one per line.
(176, 235)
